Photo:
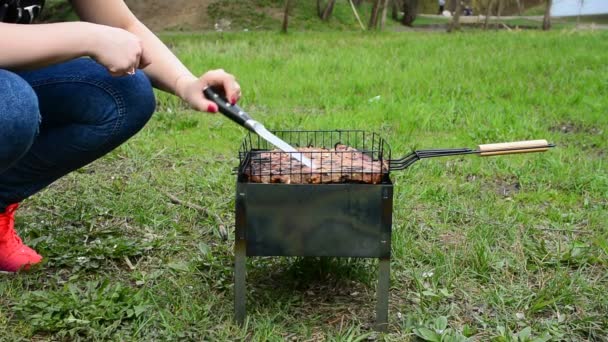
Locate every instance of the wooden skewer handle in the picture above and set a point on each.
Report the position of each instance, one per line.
(527, 146)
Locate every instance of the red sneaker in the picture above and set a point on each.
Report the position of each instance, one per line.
(14, 255)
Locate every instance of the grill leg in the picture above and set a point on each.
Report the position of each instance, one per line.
(239, 281)
(384, 276)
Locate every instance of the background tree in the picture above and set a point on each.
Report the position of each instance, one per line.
(578, 17)
(489, 5)
(373, 18)
(519, 7)
(455, 24)
(396, 6)
(410, 11)
(325, 12)
(547, 18)
(354, 8)
(500, 7)
(286, 15)
(383, 18)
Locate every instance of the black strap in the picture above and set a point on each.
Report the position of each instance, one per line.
(20, 11)
(3, 10)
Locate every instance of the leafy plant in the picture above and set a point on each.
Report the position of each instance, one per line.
(524, 335)
(438, 331)
(97, 309)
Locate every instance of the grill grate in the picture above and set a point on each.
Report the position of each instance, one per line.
(339, 156)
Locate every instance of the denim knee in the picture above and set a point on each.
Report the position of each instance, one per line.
(118, 107)
(19, 118)
(139, 102)
(134, 104)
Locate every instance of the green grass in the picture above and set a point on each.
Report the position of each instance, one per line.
(535, 10)
(511, 248)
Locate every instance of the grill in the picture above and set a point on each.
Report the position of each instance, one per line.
(341, 207)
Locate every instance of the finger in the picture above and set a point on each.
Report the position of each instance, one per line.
(134, 66)
(130, 71)
(233, 90)
(120, 73)
(115, 73)
(203, 105)
(238, 91)
(230, 87)
(122, 70)
(144, 61)
(208, 106)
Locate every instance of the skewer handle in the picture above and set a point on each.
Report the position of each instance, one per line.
(233, 112)
(527, 146)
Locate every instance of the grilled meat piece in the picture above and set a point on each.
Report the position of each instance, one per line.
(341, 164)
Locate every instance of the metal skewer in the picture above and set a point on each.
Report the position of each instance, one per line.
(483, 151)
(238, 115)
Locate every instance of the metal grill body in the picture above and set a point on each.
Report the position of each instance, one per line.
(319, 220)
(339, 220)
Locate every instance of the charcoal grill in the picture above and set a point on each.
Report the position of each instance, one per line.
(340, 208)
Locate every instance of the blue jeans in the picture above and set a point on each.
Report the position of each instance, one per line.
(57, 119)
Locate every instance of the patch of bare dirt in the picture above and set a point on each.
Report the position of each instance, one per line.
(453, 239)
(161, 15)
(567, 127)
(197, 15)
(275, 13)
(507, 187)
(572, 127)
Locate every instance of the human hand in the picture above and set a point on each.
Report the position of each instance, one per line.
(190, 89)
(120, 51)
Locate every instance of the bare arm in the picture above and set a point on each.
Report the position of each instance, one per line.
(34, 46)
(164, 68)
(31, 46)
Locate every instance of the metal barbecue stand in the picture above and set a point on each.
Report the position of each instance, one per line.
(276, 217)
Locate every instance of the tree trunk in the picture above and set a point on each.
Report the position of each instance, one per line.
(500, 8)
(329, 9)
(325, 13)
(519, 8)
(373, 19)
(451, 5)
(490, 3)
(395, 9)
(410, 11)
(547, 18)
(383, 17)
(356, 14)
(319, 11)
(286, 16)
(455, 25)
(357, 3)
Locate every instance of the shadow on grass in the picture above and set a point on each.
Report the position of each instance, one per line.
(336, 290)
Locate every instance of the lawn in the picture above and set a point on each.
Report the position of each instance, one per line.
(511, 248)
